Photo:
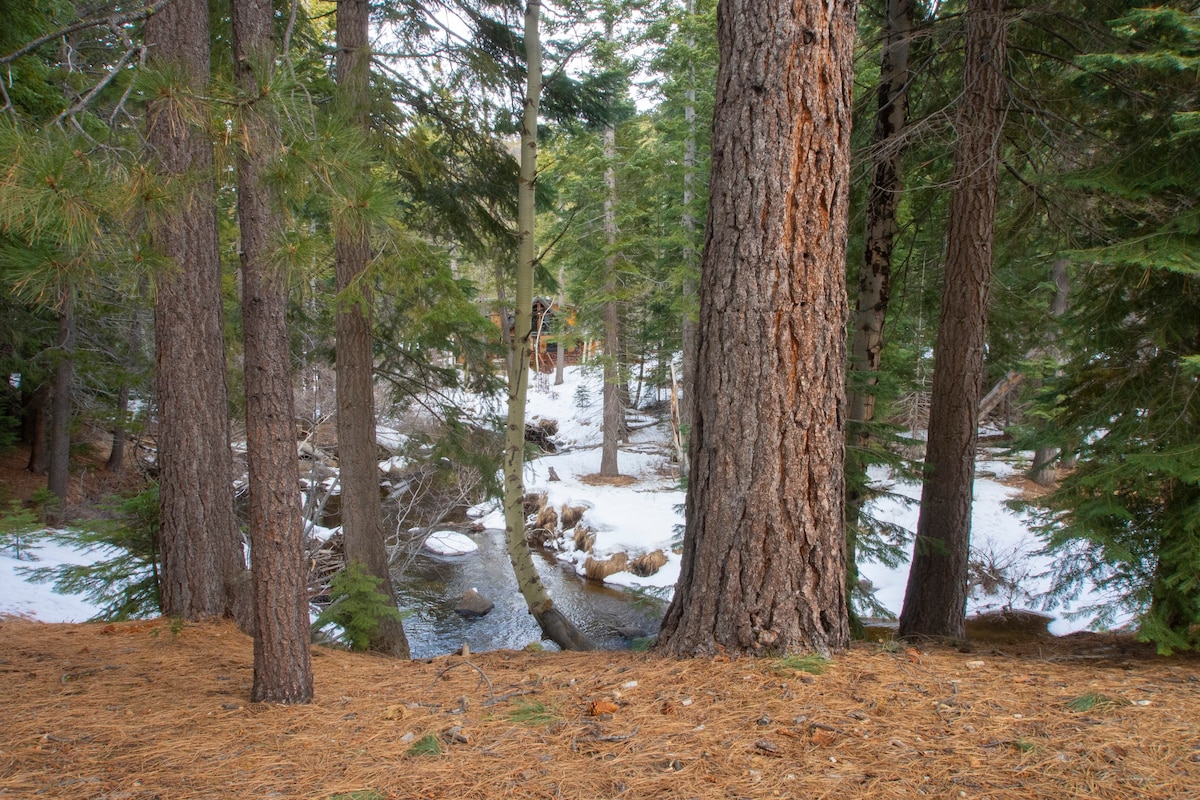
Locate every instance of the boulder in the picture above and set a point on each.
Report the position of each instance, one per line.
(1008, 625)
(473, 604)
(632, 632)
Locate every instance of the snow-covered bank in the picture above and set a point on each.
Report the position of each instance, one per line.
(642, 513)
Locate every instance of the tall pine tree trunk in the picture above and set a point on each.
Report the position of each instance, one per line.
(936, 597)
(282, 661)
(34, 416)
(613, 410)
(505, 328)
(554, 624)
(874, 281)
(764, 548)
(875, 275)
(561, 354)
(133, 346)
(690, 250)
(1041, 471)
(362, 518)
(203, 563)
(60, 412)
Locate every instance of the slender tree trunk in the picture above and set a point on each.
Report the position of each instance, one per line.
(687, 403)
(60, 414)
(874, 281)
(203, 564)
(613, 410)
(133, 345)
(623, 372)
(505, 329)
(1041, 471)
(875, 275)
(764, 549)
(282, 661)
(555, 626)
(34, 418)
(936, 597)
(362, 518)
(561, 361)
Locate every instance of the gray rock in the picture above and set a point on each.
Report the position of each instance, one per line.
(473, 604)
(632, 632)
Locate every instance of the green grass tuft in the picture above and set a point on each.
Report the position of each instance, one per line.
(812, 663)
(1091, 700)
(427, 745)
(532, 712)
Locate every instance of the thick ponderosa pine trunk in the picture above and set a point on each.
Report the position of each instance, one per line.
(362, 518)
(555, 626)
(203, 565)
(764, 548)
(282, 661)
(936, 597)
(60, 413)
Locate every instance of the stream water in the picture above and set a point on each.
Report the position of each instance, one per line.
(432, 585)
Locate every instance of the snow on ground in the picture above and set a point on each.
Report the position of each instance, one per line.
(643, 516)
(999, 535)
(634, 519)
(21, 597)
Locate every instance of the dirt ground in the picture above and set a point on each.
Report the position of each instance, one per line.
(154, 709)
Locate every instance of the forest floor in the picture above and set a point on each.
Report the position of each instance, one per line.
(156, 709)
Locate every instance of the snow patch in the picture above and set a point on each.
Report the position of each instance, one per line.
(450, 543)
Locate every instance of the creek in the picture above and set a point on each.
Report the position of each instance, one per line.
(431, 586)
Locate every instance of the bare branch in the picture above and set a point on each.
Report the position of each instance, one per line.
(141, 13)
(82, 102)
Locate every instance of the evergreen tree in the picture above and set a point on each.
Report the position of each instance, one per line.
(764, 548)
(935, 598)
(204, 570)
(875, 275)
(282, 661)
(1127, 519)
(362, 521)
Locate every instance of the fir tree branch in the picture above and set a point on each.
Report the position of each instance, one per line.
(143, 12)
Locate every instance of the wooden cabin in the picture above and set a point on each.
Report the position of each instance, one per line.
(548, 336)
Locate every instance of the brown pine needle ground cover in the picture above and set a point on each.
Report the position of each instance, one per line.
(152, 710)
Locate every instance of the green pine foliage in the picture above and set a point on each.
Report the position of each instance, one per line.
(1127, 519)
(357, 606)
(123, 576)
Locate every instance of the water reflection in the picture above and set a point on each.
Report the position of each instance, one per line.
(432, 585)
